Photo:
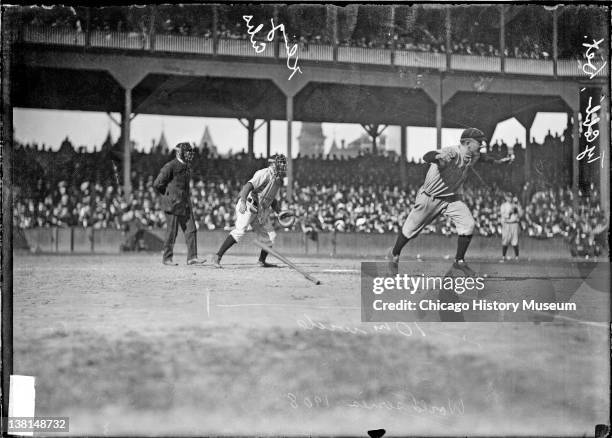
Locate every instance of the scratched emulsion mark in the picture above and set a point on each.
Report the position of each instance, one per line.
(404, 401)
(404, 329)
(591, 119)
(260, 46)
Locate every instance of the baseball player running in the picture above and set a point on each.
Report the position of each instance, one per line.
(440, 195)
(510, 212)
(257, 198)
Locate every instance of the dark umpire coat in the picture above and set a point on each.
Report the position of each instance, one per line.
(173, 184)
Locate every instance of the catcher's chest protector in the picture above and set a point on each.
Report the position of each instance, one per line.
(268, 193)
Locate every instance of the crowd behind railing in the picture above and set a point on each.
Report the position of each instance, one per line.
(474, 30)
(360, 194)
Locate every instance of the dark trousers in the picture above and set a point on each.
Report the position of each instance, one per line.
(189, 230)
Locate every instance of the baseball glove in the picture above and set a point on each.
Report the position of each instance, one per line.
(286, 218)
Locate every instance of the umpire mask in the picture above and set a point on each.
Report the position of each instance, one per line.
(279, 163)
(185, 152)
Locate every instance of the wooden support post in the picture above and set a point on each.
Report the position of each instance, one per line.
(289, 111)
(127, 147)
(502, 37)
(268, 138)
(215, 29)
(528, 152)
(88, 27)
(152, 27)
(251, 137)
(555, 41)
(449, 39)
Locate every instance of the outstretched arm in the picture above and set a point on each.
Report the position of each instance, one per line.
(486, 158)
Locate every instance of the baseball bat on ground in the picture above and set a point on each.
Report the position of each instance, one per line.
(284, 259)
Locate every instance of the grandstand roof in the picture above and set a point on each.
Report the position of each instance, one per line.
(334, 101)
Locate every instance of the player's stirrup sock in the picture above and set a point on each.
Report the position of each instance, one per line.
(504, 250)
(462, 245)
(399, 243)
(262, 256)
(516, 252)
(227, 244)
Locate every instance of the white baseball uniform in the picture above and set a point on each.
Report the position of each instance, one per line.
(257, 214)
(440, 194)
(510, 214)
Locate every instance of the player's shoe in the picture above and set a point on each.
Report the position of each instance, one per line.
(462, 266)
(196, 261)
(215, 260)
(503, 259)
(169, 263)
(263, 264)
(393, 260)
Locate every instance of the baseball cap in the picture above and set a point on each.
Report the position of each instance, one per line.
(473, 133)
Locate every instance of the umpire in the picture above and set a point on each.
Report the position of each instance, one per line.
(173, 184)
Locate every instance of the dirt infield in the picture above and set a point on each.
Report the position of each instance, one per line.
(124, 345)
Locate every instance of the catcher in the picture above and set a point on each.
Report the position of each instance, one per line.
(257, 199)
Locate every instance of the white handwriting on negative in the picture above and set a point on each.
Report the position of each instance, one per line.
(590, 134)
(588, 67)
(260, 46)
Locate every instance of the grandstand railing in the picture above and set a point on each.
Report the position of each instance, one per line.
(477, 63)
(233, 47)
(183, 44)
(362, 55)
(314, 52)
(406, 58)
(122, 40)
(529, 66)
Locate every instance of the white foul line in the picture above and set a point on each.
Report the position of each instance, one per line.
(340, 270)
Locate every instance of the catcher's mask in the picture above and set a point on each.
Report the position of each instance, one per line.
(279, 164)
(185, 152)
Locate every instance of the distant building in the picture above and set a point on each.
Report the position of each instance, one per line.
(66, 148)
(162, 144)
(364, 143)
(207, 143)
(311, 140)
(108, 142)
(361, 144)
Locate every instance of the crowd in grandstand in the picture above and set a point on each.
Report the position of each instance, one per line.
(362, 194)
(474, 31)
